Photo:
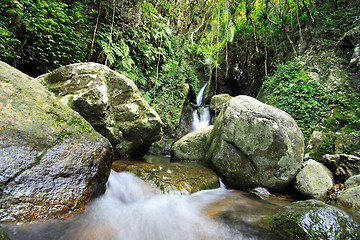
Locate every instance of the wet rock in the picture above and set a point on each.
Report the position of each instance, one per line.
(183, 177)
(342, 165)
(51, 160)
(312, 219)
(253, 144)
(191, 147)
(217, 101)
(110, 102)
(261, 192)
(314, 180)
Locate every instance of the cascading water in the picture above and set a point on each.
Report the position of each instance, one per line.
(201, 116)
(131, 209)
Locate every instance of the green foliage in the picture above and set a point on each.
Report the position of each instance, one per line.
(311, 101)
(293, 91)
(42, 34)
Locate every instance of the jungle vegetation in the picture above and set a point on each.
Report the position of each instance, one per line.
(168, 46)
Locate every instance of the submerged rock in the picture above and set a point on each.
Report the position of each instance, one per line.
(314, 180)
(191, 147)
(110, 102)
(253, 144)
(51, 160)
(183, 177)
(312, 219)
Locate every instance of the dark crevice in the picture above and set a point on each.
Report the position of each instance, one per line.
(242, 153)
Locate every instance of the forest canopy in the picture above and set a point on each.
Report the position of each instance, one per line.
(166, 46)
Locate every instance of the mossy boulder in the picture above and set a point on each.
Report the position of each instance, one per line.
(353, 181)
(349, 197)
(51, 160)
(110, 102)
(312, 219)
(314, 180)
(218, 101)
(168, 177)
(191, 147)
(253, 144)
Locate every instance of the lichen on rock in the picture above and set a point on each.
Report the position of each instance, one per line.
(253, 144)
(51, 160)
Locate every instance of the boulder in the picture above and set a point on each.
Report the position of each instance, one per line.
(353, 181)
(312, 219)
(314, 180)
(348, 198)
(217, 101)
(253, 144)
(191, 147)
(110, 102)
(51, 160)
(169, 177)
(342, 165)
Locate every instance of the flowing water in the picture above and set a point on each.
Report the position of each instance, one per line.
(132, 210)
(201, 116)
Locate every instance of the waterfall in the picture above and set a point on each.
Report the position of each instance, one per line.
(201, 116)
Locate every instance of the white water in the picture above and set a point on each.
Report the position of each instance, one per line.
(201, 116)
(131, 209)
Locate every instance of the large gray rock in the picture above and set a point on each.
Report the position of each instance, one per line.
(51, 160)
(253, 144)
(312, 219)
(110, 102)
(191, 147)
(314, 180)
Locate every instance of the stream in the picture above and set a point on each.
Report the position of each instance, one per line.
(131, 209)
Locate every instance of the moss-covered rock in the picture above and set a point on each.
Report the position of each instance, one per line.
(353, 181)
(217, 101)
(314, 180)
(183, 177)
(110, 102)
(312, 219)
(253, 144)
(191, 147)
(51, 160)
(348, 198)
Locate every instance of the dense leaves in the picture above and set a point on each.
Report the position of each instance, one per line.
(164, 45)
